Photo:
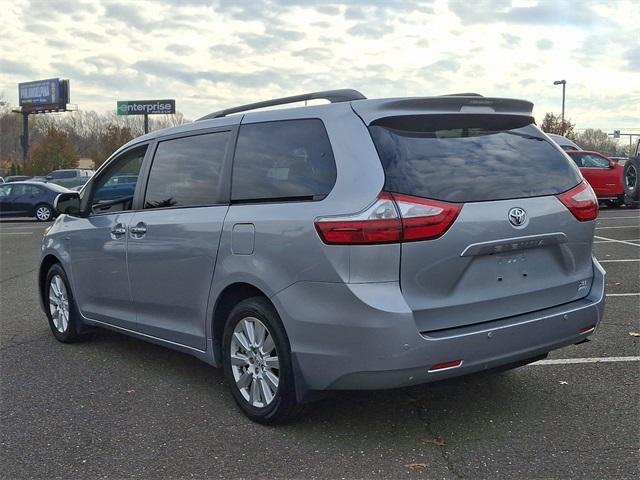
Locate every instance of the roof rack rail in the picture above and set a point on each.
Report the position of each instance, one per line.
(334, 96)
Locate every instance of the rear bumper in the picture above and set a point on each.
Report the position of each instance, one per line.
(363, 336)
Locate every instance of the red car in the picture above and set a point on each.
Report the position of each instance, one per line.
(603, 174)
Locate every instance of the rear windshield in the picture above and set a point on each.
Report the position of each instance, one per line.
(470, 158)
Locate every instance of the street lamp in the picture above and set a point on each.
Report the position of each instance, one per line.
(564, 84)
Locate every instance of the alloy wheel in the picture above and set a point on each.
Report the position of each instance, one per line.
(59, 303)
(631, 178)
(43, 213)
(254, 362)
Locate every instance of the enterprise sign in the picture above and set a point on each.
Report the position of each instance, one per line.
(146, 107)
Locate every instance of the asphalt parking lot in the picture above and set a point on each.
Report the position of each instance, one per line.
(117, 407)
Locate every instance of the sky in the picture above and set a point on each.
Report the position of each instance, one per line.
(212, 54)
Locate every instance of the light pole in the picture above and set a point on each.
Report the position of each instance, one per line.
(564, 84)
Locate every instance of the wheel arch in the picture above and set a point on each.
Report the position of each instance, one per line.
(229, 297)
(47, 262)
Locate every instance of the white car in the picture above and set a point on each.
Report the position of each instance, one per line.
(563, 142)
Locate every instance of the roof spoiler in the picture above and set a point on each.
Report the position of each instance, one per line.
(333, 96)
(445, 104)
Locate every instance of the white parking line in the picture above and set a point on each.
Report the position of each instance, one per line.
(612, 240)
(623, 226)
(623, 294)
(621, 260)
(615, 218)
(570, 361)
(626, 242)
(16, 233)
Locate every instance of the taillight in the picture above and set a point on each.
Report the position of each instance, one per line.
(392, 218)
(424, 219)
(581, 202)
(380, 223)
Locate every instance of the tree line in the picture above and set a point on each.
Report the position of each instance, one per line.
(59, 140)
(589, 139)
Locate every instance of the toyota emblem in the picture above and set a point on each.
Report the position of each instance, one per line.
(517, 217)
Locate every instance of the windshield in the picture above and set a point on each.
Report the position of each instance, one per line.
(470, 158)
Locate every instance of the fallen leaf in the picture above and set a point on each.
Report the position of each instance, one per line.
(562, 382)
(438, 441)
(416, 466)
(634, 334)
(131, 391)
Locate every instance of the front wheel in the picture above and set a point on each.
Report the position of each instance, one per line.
(257, 363)
(60, 306)
(43, 213)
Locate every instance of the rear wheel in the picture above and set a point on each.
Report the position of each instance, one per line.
(631, 180)
(257, 363)
(60, 306)
(43, 213)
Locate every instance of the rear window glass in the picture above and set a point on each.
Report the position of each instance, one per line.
(289, 160)
(470, 158)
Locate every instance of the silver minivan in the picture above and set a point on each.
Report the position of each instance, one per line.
(359, 244)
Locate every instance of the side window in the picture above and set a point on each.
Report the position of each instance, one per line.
(284, 160)
(594, 161)
(577, 159)
(187, 171)
(110, 196)
(19, 190)
(5, 190)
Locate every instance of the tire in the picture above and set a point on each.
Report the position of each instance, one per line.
(631, 180)
(255, 367)
(43, 212)
(65, 326)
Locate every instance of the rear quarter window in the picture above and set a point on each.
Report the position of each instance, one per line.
(470, 158)
(289, 160)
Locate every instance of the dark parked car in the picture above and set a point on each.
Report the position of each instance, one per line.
(16, 178)
(72, 177)
(29, 199)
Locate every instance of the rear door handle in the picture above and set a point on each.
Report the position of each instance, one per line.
(139, 230)
(118, 229)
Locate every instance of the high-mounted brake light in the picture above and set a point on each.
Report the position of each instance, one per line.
(392, 218)
(581, 202)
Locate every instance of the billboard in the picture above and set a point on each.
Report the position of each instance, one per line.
(146, 107)
(49, 94)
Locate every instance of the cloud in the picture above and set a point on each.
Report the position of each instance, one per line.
(372, 29)
(180, 50)
(632, 56)
(128, 16)
(544, 44)
(556, 12)
(16, 69)
(313, 54)
(511, 40)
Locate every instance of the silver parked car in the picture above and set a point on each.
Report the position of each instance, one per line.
(361, 244)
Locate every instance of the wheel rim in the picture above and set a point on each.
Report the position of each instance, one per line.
(43, 213)
(631, 177)
(254, 362)
(59, 303)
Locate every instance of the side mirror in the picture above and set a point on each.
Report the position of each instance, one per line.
(49, 177)
(613, 163)
(67, 203)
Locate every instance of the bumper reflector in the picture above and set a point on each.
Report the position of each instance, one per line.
(588, 329)
(445, 366)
